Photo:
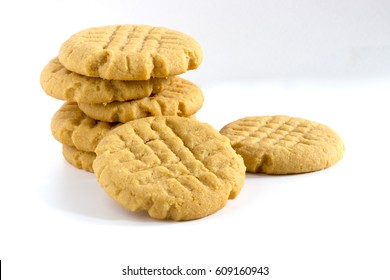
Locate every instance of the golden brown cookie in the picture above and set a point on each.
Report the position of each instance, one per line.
(130, 52)
(284, 145)
(173, 167)
(72, 127)
(80, 159)
(179, 98)
(60, 83)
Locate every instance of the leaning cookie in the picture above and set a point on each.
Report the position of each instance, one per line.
(80, 159)
(173, 167)
(130, 52)
(180, 98)
(283, 144)
(60, 83)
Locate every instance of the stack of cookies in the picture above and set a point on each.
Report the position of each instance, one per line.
(127, 118)
(115, 74)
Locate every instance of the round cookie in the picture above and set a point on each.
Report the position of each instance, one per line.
(130, 52)
(70, 126)
(284, 145)
(80, 159)
(173, 167)
(60, 83)
(179, 98)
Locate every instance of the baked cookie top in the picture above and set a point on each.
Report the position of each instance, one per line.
(283, 144)
(70, 126)
(130, 52)
(173, 167)
(179, 97)
(60, 83)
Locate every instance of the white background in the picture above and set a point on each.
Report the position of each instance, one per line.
(327, 61)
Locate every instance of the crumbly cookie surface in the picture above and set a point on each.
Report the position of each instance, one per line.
(283, 144)
(60, 83)
(178, 98)
(80, 159)
(173, 167)
(70, 126)
(130, 52)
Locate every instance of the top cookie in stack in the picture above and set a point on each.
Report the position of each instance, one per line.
(130, 52)
(120, 73)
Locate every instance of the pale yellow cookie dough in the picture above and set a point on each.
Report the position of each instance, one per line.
(80, 159)
(178, 98)
(173, 167)
(283, 144)
(60, 83)
(72, 127)
(130, 52)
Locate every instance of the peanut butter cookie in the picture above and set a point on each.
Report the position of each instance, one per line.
(283, 144)
(130, 52)
(173, 167)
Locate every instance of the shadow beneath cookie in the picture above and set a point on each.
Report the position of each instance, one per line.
(77, 192)
(264, 176)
